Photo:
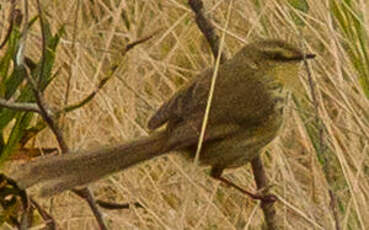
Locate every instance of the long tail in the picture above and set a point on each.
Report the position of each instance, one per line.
(59, 173)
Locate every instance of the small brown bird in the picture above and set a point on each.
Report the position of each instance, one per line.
(246, 114)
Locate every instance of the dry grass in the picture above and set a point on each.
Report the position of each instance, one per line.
(175, 195)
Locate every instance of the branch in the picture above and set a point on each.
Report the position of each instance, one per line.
(50, 222)
(259, 173)
(207, 28)
(87, 195)
(89, 97)
(20, 106)
(261, 181)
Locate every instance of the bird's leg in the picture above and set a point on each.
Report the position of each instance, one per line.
(216, 173)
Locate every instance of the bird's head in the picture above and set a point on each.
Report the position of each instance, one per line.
(281, 59)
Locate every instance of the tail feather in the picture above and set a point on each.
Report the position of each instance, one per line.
(59, 173)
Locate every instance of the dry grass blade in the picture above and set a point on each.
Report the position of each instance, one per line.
(174, 197)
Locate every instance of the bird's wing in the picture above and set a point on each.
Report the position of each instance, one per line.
(190, 100)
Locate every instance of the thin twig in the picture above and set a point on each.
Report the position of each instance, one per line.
(89, 97)
(315, 103)
(117, 206)
(333, 199)
(131, 45)
(87, 195)
(46, 114)
(20, 106)
(50, 222)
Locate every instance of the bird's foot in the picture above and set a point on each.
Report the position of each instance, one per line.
(261, 195)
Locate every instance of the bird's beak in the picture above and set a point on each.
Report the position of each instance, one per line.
(309, 56)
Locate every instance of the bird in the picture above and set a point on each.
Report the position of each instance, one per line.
(246, 114)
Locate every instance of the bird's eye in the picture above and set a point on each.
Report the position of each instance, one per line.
(276, 55)
(279, 56)
(282, 56)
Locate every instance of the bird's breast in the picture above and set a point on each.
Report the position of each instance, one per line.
(278, 95)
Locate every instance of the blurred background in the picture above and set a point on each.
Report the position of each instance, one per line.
(319, 165)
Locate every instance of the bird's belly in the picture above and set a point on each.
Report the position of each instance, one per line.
(254, 143)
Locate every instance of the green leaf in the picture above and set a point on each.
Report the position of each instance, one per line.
(49, 58)
(22, 122)
(5, 61)
(13, 84)
(14, 80)
(7, 115)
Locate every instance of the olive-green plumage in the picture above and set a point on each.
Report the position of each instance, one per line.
(246, 114)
